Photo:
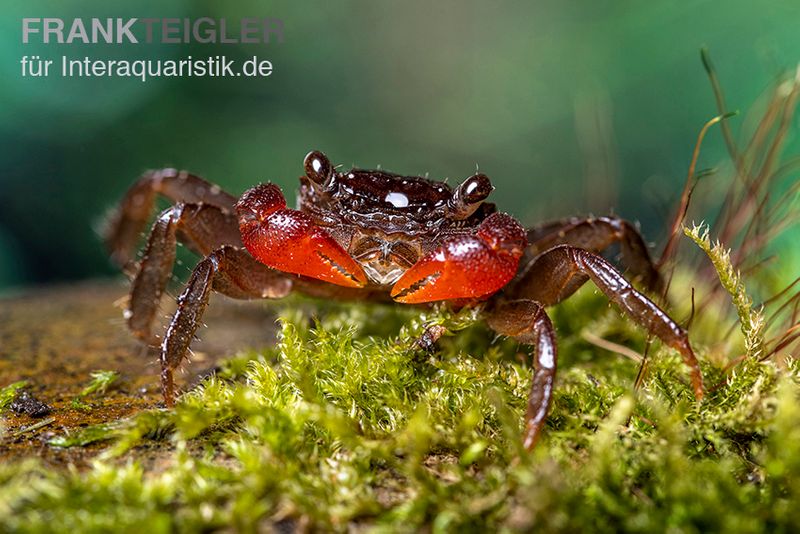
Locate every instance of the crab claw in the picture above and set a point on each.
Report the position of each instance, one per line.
(465, 267)
(290, 241)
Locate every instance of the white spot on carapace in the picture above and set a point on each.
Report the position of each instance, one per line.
(398, 200)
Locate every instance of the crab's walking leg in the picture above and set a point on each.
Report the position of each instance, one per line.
(128, 221)
(202, 227)
(527, 322)
(557, 273)
(228, 270)
(597, 234)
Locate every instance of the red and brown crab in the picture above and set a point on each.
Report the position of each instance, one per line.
(368, 234)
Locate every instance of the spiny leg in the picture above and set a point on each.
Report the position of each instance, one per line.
(527, 322)
(596, 234)
(228, 270)
(556, 274)
(128, 221)
(202, 227)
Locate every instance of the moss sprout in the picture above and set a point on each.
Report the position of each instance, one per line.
(751, 320)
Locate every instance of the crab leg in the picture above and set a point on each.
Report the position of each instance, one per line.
(597, 234)
(202, 227)
(228, 270)
(290, 241)
(559, 272)
(466, 266)
(527, 322)
(126, 224)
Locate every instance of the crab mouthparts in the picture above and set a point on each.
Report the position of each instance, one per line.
(383, 273)
(384, 259)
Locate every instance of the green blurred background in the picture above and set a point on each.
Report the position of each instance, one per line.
(570, 107)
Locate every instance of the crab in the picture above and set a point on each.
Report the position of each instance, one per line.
(371, 234)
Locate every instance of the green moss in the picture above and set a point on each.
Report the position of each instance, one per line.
(335, 427)
(751, 321)
(7, 393)
(101, 381)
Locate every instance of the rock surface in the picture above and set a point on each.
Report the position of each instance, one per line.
(54, 337)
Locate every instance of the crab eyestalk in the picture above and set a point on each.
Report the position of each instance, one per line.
(288, 240)
(468, 196)
(318, 169)
(466, 267)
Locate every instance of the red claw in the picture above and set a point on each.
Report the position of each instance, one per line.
(289, 241)
(466, 266)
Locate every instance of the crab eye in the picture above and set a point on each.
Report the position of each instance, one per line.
(475, 189)
(468, 196)
(317, 166)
